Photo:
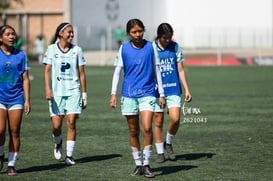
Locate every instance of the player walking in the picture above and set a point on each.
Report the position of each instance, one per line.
(14, 95)
(65, 88)
(137, 59)
(172, 73)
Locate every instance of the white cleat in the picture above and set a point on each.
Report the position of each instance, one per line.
(58, 151)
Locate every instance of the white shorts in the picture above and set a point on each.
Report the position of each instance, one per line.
(11, 106)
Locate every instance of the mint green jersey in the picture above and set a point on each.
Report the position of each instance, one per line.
(65, 80)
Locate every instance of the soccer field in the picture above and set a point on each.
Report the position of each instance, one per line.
(225, 132)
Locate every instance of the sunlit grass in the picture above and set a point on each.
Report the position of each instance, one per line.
(235, 142)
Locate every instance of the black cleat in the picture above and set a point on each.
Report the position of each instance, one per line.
(137, 171)
(147, 171)
(170, 152)
(160, 158)
(69, 161)
(11, 171)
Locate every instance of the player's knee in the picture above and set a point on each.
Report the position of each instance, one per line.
(134, 132)
(175, 121)
(158, 125)
(14, 133)
(147, 131)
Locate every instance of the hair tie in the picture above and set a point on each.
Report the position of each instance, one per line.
(65, 26)
(3, 28)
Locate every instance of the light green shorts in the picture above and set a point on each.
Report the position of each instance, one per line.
(62, 105)
(171, 101)
(132, 106)
(11, 106)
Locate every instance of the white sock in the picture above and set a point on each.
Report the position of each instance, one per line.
(147, 154)
(70, 145)
(57, 139)
(169, 138)
(159, 148)
(2, 150)
(137, 156)
(13, 156)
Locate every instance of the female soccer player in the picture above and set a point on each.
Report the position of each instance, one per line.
(137, 59)
(65, 88)
(172, 73)
(14, 95)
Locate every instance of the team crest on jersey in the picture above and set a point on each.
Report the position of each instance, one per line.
(65, 66)
(63, 76)
(8, 66)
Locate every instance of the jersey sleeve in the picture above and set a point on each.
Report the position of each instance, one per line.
(115, 80)
(48, 55)
(156, 56)
(179, 53)
(81, 58)
(119, 60)
(26, 64)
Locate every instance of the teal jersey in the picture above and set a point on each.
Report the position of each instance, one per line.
(65, 80)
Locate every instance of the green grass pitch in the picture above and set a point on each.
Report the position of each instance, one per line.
(226, 133)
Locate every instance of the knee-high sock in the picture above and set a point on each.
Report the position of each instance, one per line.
(57, 139)
(159, 148)
(70, 146)
(13, 156)
(147, 154)
(169, 138)
(137, 156)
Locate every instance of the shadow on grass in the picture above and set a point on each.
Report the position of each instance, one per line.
(164, 170)
(97, 158)
(171, 169)
(61, 165)
(194, 156)
(53, 167)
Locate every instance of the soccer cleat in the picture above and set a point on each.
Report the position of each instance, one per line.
(160, 158)
(147, 171)
(58, 151)
(11, 171)
(170, 152)
(69, 161)
(1, 161)
(137, 171)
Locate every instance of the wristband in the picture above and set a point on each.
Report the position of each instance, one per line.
(84, 95)
(84, 100)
